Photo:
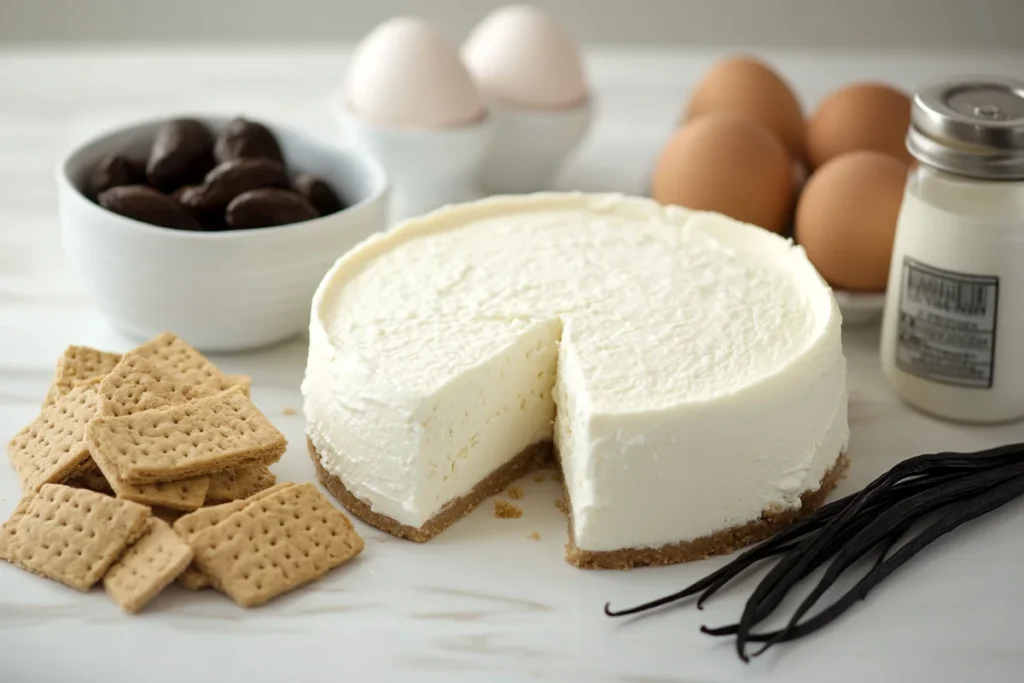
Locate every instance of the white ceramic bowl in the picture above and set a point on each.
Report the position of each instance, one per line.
(221, 291)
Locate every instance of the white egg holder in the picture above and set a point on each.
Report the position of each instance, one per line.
(509, 151)
(427, 169)
(860, 308)
(530, 146)
(452, 126)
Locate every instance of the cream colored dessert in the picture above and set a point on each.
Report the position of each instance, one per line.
(687, 367)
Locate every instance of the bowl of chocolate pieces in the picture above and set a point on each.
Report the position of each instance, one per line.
(218, 227)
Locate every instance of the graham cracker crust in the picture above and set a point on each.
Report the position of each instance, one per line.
(719, 543)
(540, 455)
(519, 466)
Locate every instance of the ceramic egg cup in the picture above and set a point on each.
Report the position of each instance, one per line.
(511, 150)
(530, 145)
(428, 168)
(860, 308)
(222, 291)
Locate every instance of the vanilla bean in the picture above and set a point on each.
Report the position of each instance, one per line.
(810, 524)
(957, 486)
(889, 542)
(902, 516)
(959, 513)
(830, 549)
(852, 545)
(947, 466)
(735, 570)
(860, 543)
(767, 595)
(793, 566)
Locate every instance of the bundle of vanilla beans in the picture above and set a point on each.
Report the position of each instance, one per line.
(933, 493)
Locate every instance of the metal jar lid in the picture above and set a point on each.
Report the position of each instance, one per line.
(971, 126)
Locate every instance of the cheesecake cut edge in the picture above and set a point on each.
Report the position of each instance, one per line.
(533, 458)
(542, 455)
(720, 542)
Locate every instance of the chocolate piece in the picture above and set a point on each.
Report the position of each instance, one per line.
(244, 138)
(267, 207)
(318, 193)
(181, 153)
(190, 198)
(232, 178)
(182, 192)
(214, 222)
(145, 204)
(115, 170)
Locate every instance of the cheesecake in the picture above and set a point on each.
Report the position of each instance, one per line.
(684, 370)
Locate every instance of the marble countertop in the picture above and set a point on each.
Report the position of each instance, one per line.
(484, 602)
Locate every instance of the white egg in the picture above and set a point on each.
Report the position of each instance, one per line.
(520, 55)
(407, 73)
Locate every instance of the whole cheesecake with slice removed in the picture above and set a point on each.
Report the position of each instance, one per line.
(687, 368)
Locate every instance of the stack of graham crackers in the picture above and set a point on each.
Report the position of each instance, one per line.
(125, 444)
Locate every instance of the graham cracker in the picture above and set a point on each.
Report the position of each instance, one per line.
(166, 514)
(187, 526)
(147, 567)
(73, 535)
(92, 480)
(208, 435)
(86, 470)
(238, 484)
(135, 384)
(242, 382)
(78, 363)
(533, 457)
(175, 356)
(276, 544)
(183, 495)
(9, 529)
(719, 543)
(52, 447)
(191, 524)
(192, 579)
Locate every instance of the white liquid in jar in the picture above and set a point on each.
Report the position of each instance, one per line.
(953, 330)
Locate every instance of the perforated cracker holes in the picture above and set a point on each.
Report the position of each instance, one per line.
(275, 544)
(72, 535)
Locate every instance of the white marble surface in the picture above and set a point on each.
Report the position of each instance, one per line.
(483, 602)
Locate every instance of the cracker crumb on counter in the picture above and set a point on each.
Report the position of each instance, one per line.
(506, 510)
(534, 536)
(515, 493)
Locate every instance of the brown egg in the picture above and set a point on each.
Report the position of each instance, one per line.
(727, 164)
(747, 87)
(846, 219)
(861, 116)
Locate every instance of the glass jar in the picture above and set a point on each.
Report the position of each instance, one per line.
(953, 329)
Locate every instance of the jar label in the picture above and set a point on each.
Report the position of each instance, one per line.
(947, 325)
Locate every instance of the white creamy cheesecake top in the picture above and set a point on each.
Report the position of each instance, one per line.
(440, 349)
